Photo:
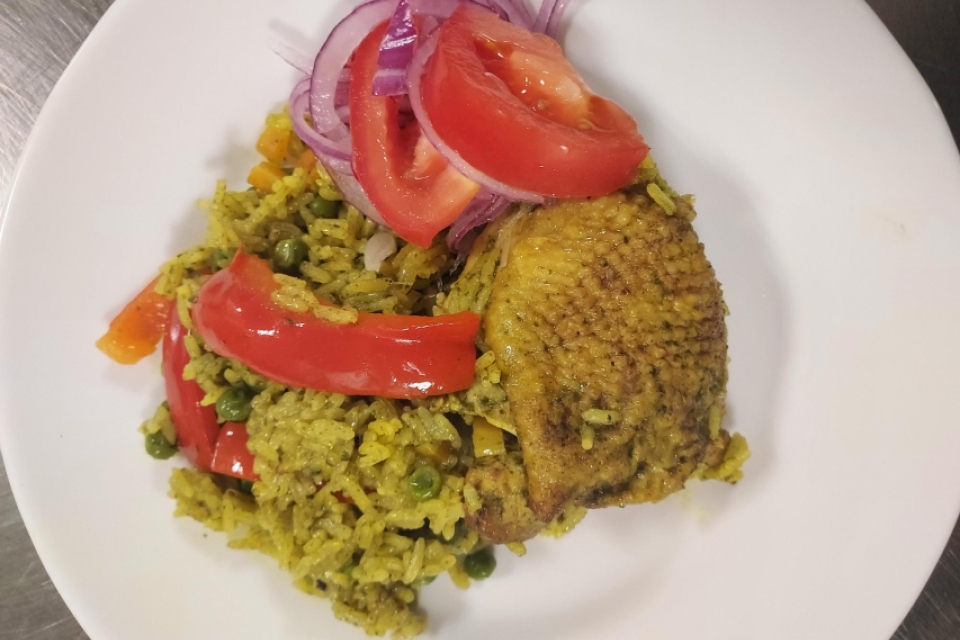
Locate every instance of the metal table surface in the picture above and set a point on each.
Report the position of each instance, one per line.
(38, 38)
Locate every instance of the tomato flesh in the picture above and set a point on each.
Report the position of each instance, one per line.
(511, 104)
(137, 329)
(413, 187)
(393, 356)
(196, 424)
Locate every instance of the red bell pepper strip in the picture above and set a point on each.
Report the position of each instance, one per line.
(392, 356)
(135, 332)
(231, 456)
(196, 425)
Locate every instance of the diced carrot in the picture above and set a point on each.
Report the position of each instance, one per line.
(307, 161)
(137, 329)
(265, 175)
(273, 144)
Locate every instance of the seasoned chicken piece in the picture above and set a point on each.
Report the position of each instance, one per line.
(501, 485)
(607, 323)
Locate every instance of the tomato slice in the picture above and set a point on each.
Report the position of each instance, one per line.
(231, 457)
(135, 332)
(412, 186)
(196, 425)
(393, 356)
(510, 103)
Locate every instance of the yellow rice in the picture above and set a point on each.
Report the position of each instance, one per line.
(316, 453)
(332, 505)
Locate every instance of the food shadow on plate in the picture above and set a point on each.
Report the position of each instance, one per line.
(133, 381)
(242, 569)
(643, 542)
(573, 582)
(731, 226)
(758, 325)
(232, 162)
(237, 155)
(737, 245)
(287, 38)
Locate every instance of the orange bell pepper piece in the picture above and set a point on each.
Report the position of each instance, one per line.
(135, 332)
(264, 176)
(274, 144)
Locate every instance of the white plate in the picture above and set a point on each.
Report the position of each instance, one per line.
(828, 189)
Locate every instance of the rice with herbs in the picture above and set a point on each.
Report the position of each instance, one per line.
(333, 504)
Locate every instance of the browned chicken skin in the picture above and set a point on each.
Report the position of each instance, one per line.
(607, 323)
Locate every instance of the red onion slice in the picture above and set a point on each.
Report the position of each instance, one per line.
(396, 51)
(321, 145)
(549, 16)
(399, 43)
(397, 46)
(514, 11)
(325, 94)
(342, 96)
(335, 53)
(333, 57)
(420, 59)
(442, 9)
(429, 24)
(485, 208)
(390, 82)
(523, 13)
(296, 59)
(336, 167)
(543, 16)
(353, 192)
(553, 24)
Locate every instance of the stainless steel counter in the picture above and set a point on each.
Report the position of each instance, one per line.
(38, 38)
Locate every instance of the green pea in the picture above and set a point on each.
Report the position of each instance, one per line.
(158, 446)
(480, 565)
(425, 483)
(289, 253)
(246, 486)
(323, 208)
(419, 583)
(234, 404)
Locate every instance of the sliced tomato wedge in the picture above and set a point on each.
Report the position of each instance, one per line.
(231, 457)
(196, 425)
(412, 186)
(135, 332)
(393, 356)
(511, 104)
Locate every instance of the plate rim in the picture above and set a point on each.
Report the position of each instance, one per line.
(107, 21)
